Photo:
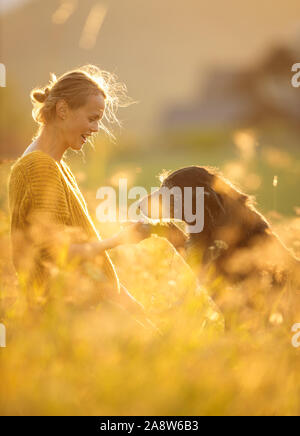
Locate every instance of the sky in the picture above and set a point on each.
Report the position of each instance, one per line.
(6, 5)
(164, 50)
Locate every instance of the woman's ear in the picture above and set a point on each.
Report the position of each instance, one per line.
(62, 109)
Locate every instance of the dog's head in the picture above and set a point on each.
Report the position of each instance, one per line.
(227, 214)
(186, 194)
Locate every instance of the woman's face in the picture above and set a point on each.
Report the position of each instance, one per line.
(82, 122)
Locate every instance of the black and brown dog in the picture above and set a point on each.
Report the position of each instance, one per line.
(236, 239)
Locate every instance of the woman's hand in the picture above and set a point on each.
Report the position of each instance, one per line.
(134, 233)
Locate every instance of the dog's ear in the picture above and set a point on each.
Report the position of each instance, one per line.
(214, 209)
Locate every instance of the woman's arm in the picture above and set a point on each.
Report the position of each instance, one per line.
(131, 234)
(89, 250)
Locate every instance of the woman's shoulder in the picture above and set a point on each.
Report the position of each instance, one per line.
(35, 157)
(35, 163)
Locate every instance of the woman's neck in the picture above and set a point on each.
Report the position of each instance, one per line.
(50, 141)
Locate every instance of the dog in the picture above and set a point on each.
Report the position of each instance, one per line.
(235, 239)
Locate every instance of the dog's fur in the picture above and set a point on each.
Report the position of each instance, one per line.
(236, 238)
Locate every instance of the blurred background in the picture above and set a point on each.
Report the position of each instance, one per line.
(212, 82)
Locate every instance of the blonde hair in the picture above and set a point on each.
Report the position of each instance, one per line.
(74, 87)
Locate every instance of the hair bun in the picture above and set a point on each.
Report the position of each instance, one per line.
(41, 96)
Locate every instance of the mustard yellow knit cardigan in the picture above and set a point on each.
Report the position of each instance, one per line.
(44, 195)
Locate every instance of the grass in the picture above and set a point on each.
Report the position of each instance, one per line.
(61, 359)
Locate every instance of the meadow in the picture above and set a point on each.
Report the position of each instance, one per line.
(63, 359)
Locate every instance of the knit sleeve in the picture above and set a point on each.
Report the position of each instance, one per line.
(47, 190)
(44, 206)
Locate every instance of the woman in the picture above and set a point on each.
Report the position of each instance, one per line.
(45, 201)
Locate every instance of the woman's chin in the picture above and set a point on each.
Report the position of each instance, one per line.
(77, 147)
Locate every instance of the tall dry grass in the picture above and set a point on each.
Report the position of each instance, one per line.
(62, 359)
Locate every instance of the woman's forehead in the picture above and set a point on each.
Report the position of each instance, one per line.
(95, 103)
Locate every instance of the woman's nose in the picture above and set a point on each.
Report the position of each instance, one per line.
(95, 127)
